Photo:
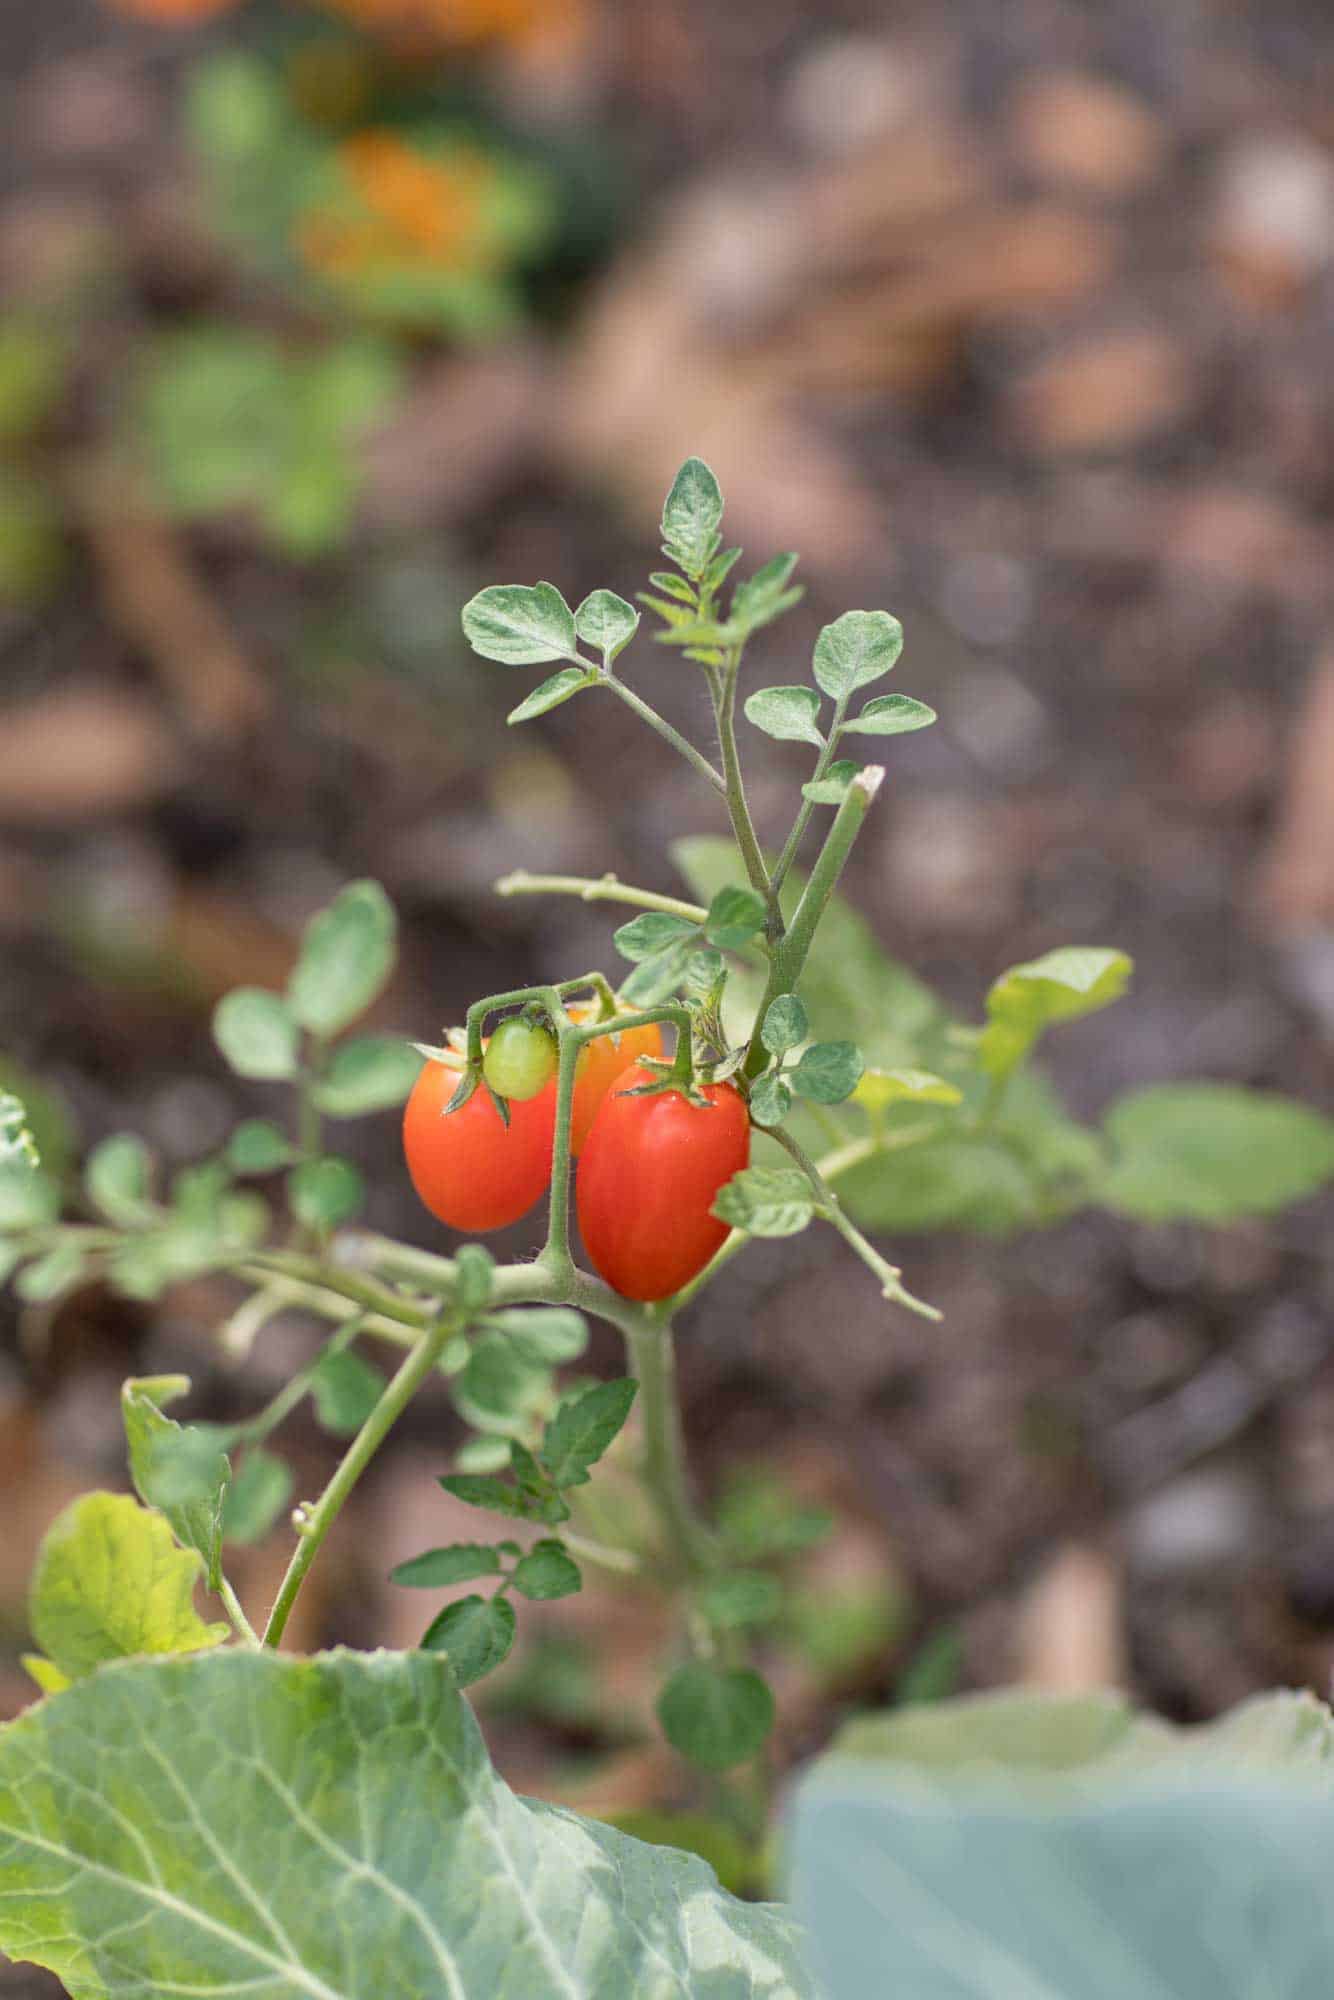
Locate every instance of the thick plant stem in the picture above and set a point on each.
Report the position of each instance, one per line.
(598, 889)
(689, 1546)
(803, 819)
(398, 1393)
(743, 827)
(790, 956)
(694, 757)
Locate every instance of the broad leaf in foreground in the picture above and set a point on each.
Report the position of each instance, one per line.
(1021, 1847)
(331, 1829)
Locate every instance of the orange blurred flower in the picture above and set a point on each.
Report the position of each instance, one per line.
(407, 207)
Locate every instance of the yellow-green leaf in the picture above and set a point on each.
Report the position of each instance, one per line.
(111, 1583)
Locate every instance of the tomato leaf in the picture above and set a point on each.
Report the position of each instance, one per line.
(790, 714)
(547, 1571)
(691, 516)
(521, 625)
(257, 1033)
(716, 1716)
(857, 648)
(583, 1428)
(606, 621)
(436, 1569)
(766, 1201)
(475, 1633)
(347, 956)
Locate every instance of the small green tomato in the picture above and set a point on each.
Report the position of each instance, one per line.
(520, 1059)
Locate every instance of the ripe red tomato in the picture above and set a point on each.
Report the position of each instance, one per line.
(601, 1064)
(650, 1171)
(471, 1170)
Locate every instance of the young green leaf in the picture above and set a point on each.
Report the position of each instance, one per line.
(474, 1276)
(438, 1568)
(691, 517)
(521, 625)
(766, 1201)
(1212, 1152)
(654, 931)
(828, 1072)
(560, 687)
(716, 1716)
(832, 789)
(583, 1428)
(110, 1582)
(1062, 986)
(29, 1198)
(367, 1073)
(260, 1491)
(476, 1634)
(770, 1099)
(50, 1276)
(891, 715)
(258, 1146)
(741, 1597)
(347, 956)
(176, 1468)
(546, 1335)
(785, 1026)
(877, 1089)
(856, 649)
(670, 585)
(764, 596)
(325, 1193)
(482, 1454)
(655, 979)
(17, 1145)
(547, 1571)
(256, 1032)
(606, 621)
(478, 1489)
(118, 1178)
(791, 714)
(501, 1389)
(346, 1387)
(735, 915)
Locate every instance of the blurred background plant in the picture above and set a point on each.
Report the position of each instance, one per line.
(315, 318)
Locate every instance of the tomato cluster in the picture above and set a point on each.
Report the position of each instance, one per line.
(649, 1166)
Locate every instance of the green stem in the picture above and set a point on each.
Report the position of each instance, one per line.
(803, 819)
(267, 1420)
(790, 956)
(598, 889)
(231, 1604)
(743, 827)
(831, 1209)
(398, 1393)
(664, 728)
(652, 1359)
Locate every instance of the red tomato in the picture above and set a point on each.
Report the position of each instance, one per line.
(472, 1171)
(648, 1178)
(601, 1064)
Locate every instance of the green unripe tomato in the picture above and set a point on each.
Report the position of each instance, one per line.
(520, 1059)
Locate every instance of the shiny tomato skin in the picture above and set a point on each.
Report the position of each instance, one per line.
(471, 1171)
(648, 1178)
(601, 1064)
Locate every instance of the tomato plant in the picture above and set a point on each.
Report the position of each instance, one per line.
(175, 1814)
(652, 1169)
